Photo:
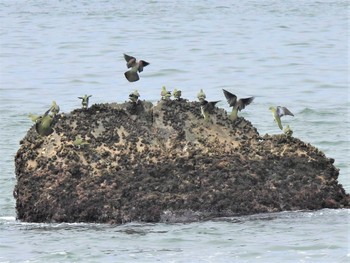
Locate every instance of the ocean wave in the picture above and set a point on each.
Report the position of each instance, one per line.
(318, 112)
(7, 218)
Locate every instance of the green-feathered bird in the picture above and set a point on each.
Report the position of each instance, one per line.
(278, 112)
(288, 131)
(177, 94)
(55, 109)
(134, 96)
(34, 117)
(237, 105)
(85, 101)
(165, 95)
(201, 95)
(44, 123)
(207, 108)
(135, 66)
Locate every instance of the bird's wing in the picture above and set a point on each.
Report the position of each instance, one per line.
(131, 76)
(212, 103)
(244, 102)
(130, 61)
(281, 111)
(128, 58)
(47, 112)
(209, 106)
(142, 64)
(231, 98)
(204, 102)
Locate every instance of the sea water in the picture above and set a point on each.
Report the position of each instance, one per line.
(288, 53)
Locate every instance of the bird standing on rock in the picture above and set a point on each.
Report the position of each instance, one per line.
(43, 124)
(134, 96)
(237, 105)
(165, 95)
(177, 94)
(278, 112)
(85, 101)
(135, 66)
(288, 131)
(201, 95)
(207, 108)
(55, 109)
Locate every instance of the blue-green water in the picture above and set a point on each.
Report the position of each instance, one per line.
(289, 53)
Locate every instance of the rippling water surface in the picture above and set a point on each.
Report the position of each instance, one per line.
(290, 53)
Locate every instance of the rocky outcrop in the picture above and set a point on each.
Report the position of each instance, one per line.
(139, 162)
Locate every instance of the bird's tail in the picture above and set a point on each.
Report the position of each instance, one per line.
(280, 124)
(131, 76)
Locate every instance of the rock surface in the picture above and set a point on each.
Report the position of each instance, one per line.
(164, 163)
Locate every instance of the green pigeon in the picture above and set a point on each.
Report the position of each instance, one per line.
(79, 141)
(237, 105)
(177, 94)
(288, 131)
(44, 123)
(165, 95)
(201, 95)
(134, 96)
(135, 66)
(207, 108)
(278, 112)
(85, 101)
(33, 117)
(55, 109)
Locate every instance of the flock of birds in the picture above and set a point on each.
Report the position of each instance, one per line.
(43, 123)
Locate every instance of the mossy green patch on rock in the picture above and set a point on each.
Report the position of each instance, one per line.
(158, 163)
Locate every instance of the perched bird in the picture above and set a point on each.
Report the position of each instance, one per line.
(288, 131)
(207, 108)
(134, 96)
(177, 94)
(278, 112)
(237, 105)
(85, 101)
(79, 141)
(55, 109)
(135, 66)
(165, 95)
(33, 117)
(43, 124)
(201, 95)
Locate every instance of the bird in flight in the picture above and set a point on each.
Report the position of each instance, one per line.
(278, 112)
(134, 67)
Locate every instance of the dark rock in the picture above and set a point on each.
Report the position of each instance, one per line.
(163, 163)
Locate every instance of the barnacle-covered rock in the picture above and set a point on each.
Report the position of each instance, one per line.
(141, 162)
